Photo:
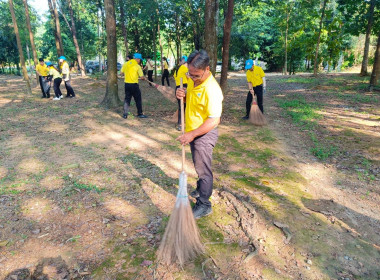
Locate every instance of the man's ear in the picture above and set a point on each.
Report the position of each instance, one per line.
(208, 68)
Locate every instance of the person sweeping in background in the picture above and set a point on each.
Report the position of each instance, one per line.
(165, 73)
(149, 67)
(179, 74)
(56, 78)
(65, 70)
(256, 85)
(203, 111)
(132, 72)
(43, 72)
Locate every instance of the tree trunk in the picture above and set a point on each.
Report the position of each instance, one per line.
(159, 40)
(57, 45)
(226, 45)
(286, 41)
(376, 67)
(31, 37)
(123, 29)
(319, 38)
(74, 32)
(363, 71)
(58, 26)
(178, 39)
(111, 99)
(210, 35)
(19, 46)
(154, 49)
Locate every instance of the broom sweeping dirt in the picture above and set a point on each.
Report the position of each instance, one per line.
(256, 117)
(169, 94)
(181, 241)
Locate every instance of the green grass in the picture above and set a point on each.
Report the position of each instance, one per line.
(73, 184)
(301, 80)
(321, 150)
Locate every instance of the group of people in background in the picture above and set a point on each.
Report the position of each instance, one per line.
(49, 74)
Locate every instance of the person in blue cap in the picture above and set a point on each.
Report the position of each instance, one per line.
(132, 71)
(256, 85)
(65, 70)
(55, 77)
(181, 72)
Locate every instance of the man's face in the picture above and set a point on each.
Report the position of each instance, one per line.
(42, 62)
(251, 68)
(198, 75)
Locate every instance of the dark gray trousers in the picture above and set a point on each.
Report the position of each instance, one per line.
(201, 151)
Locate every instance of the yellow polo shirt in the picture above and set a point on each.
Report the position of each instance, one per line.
(54, 73)
(202, 102)
(132, 71)
(43, 69)
(256, 76)
(65, 69)
(181, 73)
(166, 66)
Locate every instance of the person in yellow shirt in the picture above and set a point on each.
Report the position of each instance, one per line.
(43, 72)
(256, 85)
(149, 66)
(178, 74)
(165, 73)
(132, 71)
(56, 78)
(203, 111)
(65, 70)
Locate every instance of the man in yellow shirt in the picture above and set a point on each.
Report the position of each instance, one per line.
(203, 111)
(132, 71)
(165, 71)
(65, 70)
(43, 72)
(256, 85)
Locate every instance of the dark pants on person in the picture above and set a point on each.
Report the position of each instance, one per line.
(150, 76)
(132, 90)
(179, 105)
(57, 90)
(201, 151)
(259, 94)
(45, 86)
(165, 75)
(69, 89)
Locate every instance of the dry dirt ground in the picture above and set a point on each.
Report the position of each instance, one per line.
(85, 194)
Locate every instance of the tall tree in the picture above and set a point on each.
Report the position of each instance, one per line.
(123, 29)
(74, 33)
(111, 98)
(226, 44)
(363, 71)
(19, 46)
(376, 67)
(31, 37)
(58, 42)
(210, 34)
(319, 37)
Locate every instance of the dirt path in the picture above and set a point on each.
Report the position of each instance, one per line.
(85, 194)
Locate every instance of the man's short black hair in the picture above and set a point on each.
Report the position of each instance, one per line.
(199, 59)
(41, 59)
(130, 56)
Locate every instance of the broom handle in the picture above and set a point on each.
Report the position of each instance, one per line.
(183, 127)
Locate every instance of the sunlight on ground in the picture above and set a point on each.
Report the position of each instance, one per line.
(55, 127)
(4, 101)
(351, 118)
(52, 182)
(123, 209)
(3, 172)
(163, 200)
(30, 166)
(38, 209)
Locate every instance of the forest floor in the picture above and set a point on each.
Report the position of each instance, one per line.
(85, 194)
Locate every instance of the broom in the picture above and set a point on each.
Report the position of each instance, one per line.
(256, 117)
(181, 241)
(168, 93)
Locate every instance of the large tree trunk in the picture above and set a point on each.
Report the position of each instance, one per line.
(74, 32)
(286, 41)
(111, 99)
(19, 46)
(123, 29)
(154, 49)
(159, 40)
(57, 44)
(363, 71)
(211, 38)
(226, 45)
(58, 26)
(319, 38)
(376, 67)
(31, 37)
(178, 38)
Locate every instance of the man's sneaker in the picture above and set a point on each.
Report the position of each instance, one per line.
(194, 194)
(56, 98)
(201, 210)
(142, 116)
(245, 117)
(61, 97)
(125, 116)
(179, 127)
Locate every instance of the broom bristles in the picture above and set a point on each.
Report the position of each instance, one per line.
(181, 241)
(256, 117)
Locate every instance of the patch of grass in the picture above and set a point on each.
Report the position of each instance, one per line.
(359, 98)
(300, 80)
(6, 190)
(321, 150)
(265, 135)
(72, 185)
